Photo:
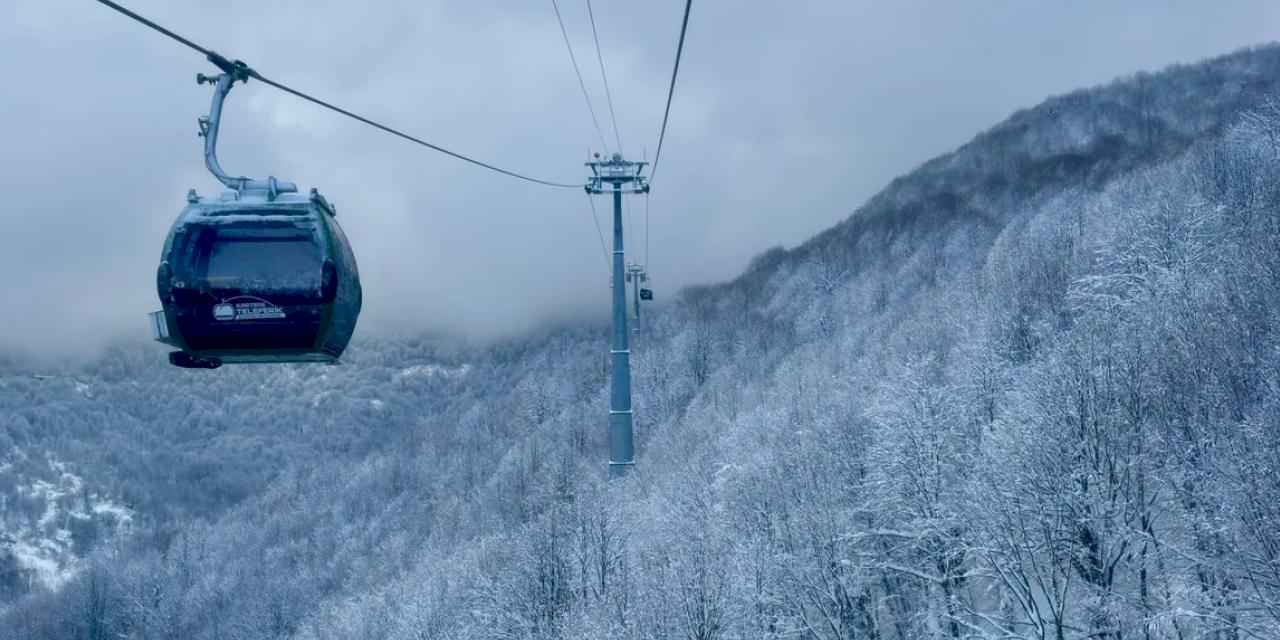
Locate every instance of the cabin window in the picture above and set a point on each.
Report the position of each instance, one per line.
(261, 260)
(274, 263)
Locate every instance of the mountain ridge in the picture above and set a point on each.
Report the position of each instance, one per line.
(930, 183)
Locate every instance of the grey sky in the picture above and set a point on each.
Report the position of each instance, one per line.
(787, 116)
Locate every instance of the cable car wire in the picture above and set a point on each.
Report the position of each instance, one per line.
(672, 90)
(604, 252)
(626, 215)
(413, 139)
(241, 68)
(608, 95)
(157, 27)
(583, 85)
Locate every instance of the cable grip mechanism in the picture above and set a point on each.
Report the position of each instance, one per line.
(233, 72)
(237, 69)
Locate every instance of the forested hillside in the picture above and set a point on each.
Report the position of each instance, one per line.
(1030, 390)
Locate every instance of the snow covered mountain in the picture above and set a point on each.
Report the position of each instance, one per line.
(44, 551)
(1030, 390)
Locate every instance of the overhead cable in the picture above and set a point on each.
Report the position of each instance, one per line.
(577, 71)
(684, 26)
(604, 252)
(244, 71)
(603, 76)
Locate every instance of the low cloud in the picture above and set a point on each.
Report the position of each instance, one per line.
(787, 116)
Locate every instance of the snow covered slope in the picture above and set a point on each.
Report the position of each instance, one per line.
(49, 519)
(1028, 391)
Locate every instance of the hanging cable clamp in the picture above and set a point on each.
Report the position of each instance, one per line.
(237, 69)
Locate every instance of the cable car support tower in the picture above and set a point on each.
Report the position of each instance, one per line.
(618, 176)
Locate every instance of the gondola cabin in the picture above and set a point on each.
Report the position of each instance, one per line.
(246, 279)
(257, 274)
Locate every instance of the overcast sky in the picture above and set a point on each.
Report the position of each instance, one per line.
(787, 116)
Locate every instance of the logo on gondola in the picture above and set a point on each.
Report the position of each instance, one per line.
(246, 308)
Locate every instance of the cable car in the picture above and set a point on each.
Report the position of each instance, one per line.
(258, 273)
(646, 294)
